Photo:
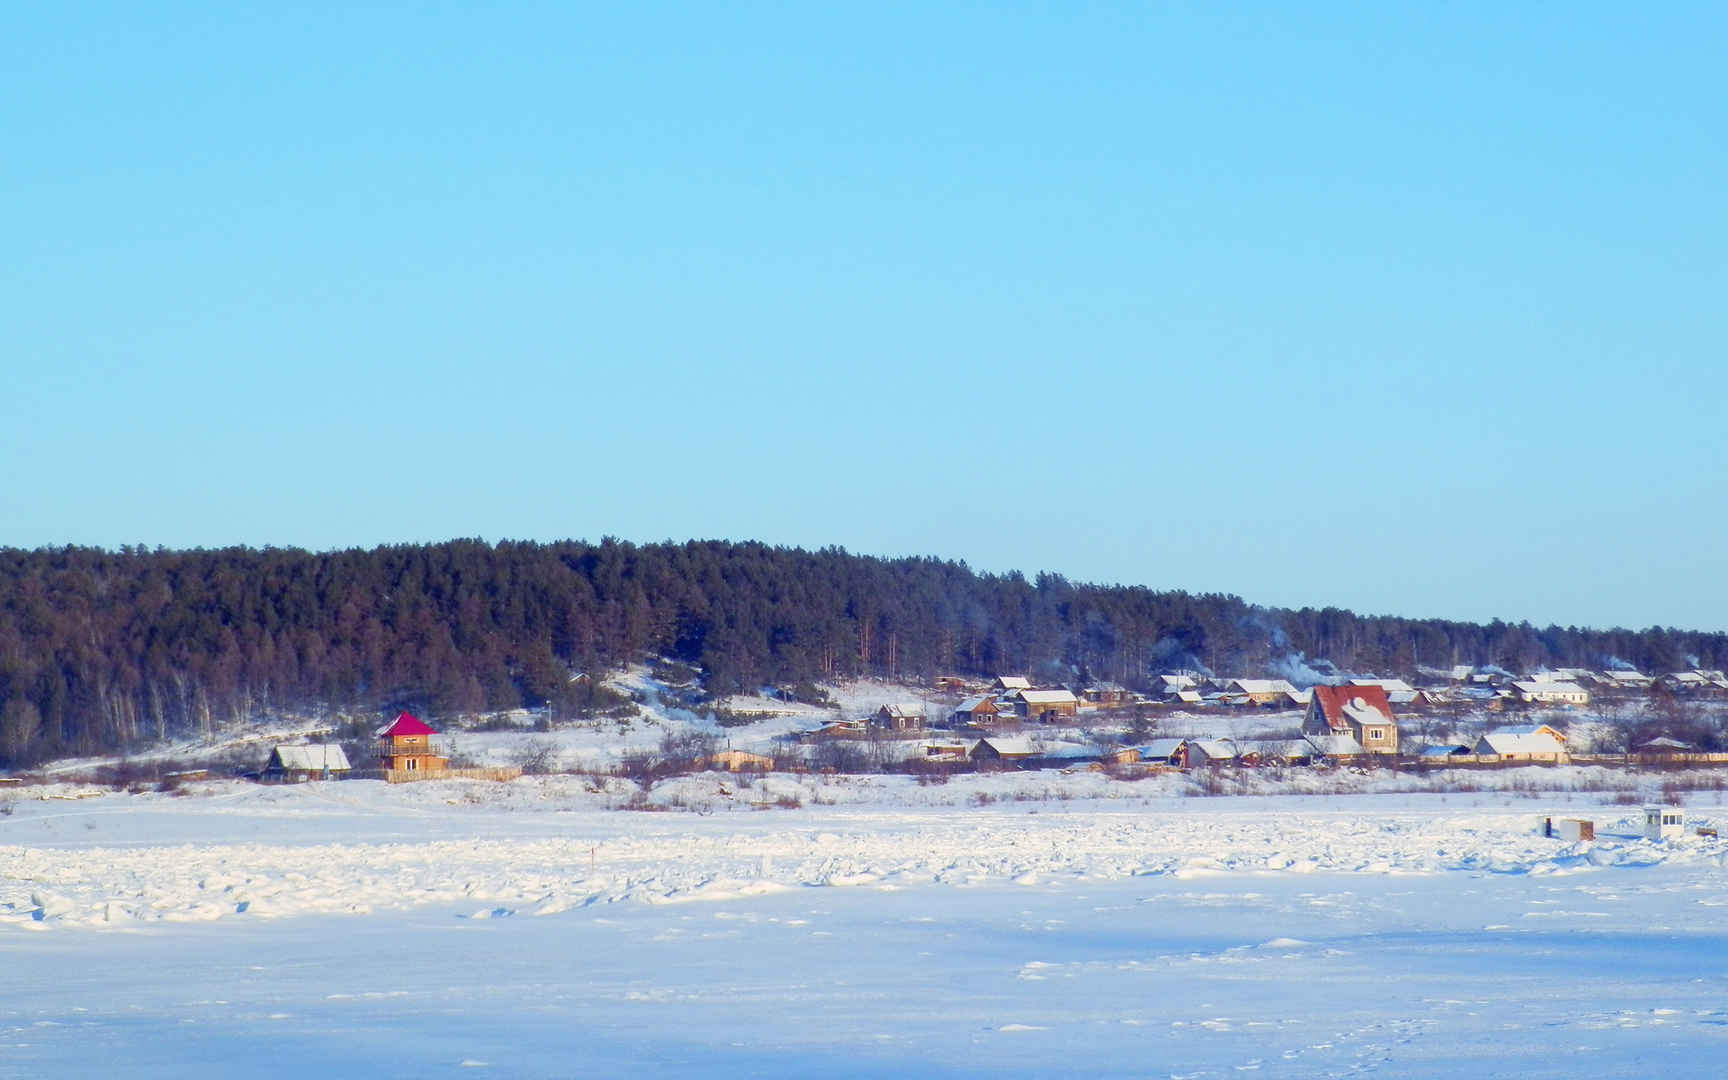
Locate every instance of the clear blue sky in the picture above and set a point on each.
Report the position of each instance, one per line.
(1412, 309)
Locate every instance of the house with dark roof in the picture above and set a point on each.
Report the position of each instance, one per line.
(1362, 712)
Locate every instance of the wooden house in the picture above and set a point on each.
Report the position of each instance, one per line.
(899, 716)
(1172, 752)
(1007, 683)
(976, 712)
(1045, 705)
(405, 745)
(292, 764)
(1361, 712)
(1002, 751)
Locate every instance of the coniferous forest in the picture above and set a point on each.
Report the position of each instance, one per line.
(102, 650)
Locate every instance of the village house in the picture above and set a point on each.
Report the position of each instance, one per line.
(1008, 683)
(899, 716)
(1211, 752)
(1337, 748)
(1103, 693)
(1526, 742)
(1361, 712)
(1172, 752)
(320, 761)
(405, 745)
(1045, 705)
(1551, 693)
(981, 711)
(1000, 751)
(1170, 684)
(1260, 691)
(1626, 679)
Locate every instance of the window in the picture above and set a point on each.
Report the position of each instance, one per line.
(412, 763)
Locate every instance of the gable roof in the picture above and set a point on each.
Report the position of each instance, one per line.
(1010, 746)
(1532, 729)
(905, 710)
(1519, 742)
(1391, 686)
(1338, 705)
(1013, 682)
(406, 724)
(1048, 697)
(1263, 686)
(314, 758)
(973, 704)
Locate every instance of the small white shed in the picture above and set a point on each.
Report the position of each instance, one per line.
(1664, 822)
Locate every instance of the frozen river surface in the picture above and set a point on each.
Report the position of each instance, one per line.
(896, 953)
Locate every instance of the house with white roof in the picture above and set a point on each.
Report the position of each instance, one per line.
(1528, 742)
(1551, 693)
(1391, 686)
(1627, 679)
(1045, 705)
(1011, 682)
(1003, 750)
(319, 761)
(1261, 691)
(899, 716)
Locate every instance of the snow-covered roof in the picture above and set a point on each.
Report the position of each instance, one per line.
(1161, 748)
(1178, 682)
(1548, 688)
(904, 709)
(1532, 729)
(317, 757)
(1048, 697)
(1663, 742)
(1263, 686)
(973, 703)
(1188, 697)
(1627, 677)
(1009, 745)
(1215, 748)
(1505, 742)
(1391, 686)
(1013, 682)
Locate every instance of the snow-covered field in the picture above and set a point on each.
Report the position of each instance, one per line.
(1085, 928)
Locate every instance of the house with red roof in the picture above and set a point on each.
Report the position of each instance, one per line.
(1359, 711)
(405, 745)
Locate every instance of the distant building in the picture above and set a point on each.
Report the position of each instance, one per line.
(1261, 691)
(899, 716)
(1361, 712)
(320, 761)
(981, 711)
(1526, 742)
(1045, 705)
(405, 745)
(1551, 693)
